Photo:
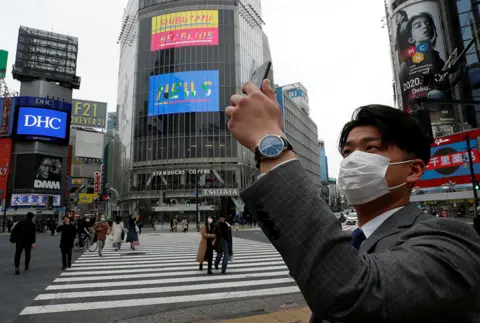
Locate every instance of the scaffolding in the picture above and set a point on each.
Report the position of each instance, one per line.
(5, 99)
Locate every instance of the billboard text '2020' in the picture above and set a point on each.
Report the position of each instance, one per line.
(183, 92)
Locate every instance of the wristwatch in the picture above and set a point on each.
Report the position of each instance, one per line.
(271, 147)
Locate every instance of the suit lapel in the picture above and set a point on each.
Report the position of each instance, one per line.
(403, 218)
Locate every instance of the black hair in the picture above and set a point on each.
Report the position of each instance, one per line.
(131, 223)
(397, 127)
(429, 18)
(118, 219)
(30, 215)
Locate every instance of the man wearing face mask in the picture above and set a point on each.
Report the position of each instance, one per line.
(400, 265)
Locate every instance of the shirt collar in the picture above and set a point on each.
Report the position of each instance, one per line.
(371, 226)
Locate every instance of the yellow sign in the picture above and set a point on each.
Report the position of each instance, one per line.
(84, 198)
(88, 113)
(76, 181)
(185, 20)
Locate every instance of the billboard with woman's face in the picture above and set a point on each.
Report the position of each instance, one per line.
(420, 49)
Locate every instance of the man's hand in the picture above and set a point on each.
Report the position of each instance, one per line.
(33, 246)
(255, 115)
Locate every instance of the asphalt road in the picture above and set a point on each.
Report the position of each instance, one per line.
(160, 282)
(18, 291)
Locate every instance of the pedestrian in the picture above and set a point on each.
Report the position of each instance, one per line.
(69, 232)
(80, 230)
(205, 249)
(52, 225)
(24, 237)
(185, 224)
(132, 234)
(222, 229)
(117, 232)
(9, 225)
(400, 264)
(101, 231)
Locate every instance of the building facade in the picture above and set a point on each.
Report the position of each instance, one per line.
(323, 162)
(180, 61)
(424, 62)
(300, 129)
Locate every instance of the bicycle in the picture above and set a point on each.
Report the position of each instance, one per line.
(88, 243)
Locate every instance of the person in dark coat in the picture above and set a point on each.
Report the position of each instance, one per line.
(132, 235)
(24, 237)
(69, 232)
(221, 243)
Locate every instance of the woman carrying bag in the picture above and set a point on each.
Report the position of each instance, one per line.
(205, 249)
(132, 235)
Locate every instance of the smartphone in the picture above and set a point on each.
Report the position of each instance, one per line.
(260, 74)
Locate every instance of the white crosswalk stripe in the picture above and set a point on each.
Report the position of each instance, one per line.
(163, 270)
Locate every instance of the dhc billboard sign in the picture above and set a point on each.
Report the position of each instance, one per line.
(41, 119)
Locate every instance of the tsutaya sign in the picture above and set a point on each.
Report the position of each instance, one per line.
(220, 192)
(180, 172)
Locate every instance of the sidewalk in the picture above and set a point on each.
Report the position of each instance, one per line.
(293, 315)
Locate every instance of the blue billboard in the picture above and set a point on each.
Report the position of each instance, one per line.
(196, 91)
(41, 123)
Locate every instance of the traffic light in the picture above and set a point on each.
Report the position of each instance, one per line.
(187, 203)
(477, 186)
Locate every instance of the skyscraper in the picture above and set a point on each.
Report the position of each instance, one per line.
(180, 61)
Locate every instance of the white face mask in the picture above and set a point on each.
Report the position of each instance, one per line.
(362, 177)
(209, 221)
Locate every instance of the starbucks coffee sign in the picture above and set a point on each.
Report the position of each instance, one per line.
(180, 172)
(220, 192)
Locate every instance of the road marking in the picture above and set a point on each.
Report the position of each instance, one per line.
(165, 289)
(44, 309)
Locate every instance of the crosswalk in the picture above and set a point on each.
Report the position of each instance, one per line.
(162, 271)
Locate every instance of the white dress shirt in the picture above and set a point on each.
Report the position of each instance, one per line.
(371, 226)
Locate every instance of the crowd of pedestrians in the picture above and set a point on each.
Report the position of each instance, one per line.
(23, 235)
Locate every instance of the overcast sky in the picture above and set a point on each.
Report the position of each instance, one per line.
(337, 49)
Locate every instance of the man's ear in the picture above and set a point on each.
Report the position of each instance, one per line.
(416, 171)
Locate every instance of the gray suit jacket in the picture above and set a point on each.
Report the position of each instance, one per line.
(414, 268)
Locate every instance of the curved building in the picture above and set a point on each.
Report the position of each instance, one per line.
(180, 62)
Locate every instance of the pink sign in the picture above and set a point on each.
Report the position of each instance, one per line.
(184, 37)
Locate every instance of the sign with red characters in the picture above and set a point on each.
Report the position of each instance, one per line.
(449, 160)
(5, 157)
(102, 175)
(96, 183)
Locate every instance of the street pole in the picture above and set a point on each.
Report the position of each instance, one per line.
(472, 173)
(196, 200)
(5, 207)
(476, 219)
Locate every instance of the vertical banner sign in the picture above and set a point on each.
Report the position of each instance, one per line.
(102, 174)
(69, 173)
(419, 50)
(3, 63)
(5, 155)
(96, 182)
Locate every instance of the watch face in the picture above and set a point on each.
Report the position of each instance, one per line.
(271, 146)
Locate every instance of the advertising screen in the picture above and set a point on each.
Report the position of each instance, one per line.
(38, 172)
(182, 92)
(187, 28)
(43, 123)
(5, 155)
(90, 114)
(419, 49)
(33, 199)
(449, 160)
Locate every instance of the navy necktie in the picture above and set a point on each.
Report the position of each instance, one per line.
(357, 238)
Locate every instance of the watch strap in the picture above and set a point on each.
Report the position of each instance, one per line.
(259, 157)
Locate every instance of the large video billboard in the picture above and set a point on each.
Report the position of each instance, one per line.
(420, 49)
(5, 156)
(42, 122)
(38, 172)
(449, 160)
(187, 28)
(181, 92)
(90, 114)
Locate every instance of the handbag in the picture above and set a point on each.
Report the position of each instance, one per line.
(136, 243)
(123, 235)
(14, 236)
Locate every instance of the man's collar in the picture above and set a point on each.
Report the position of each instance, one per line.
(372, 225)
